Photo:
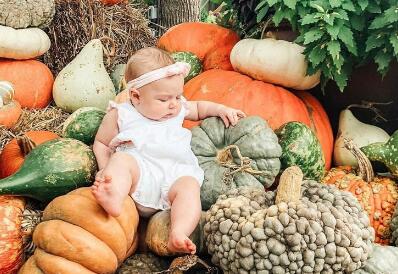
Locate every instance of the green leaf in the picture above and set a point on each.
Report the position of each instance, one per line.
(317, 7)
(329, 19)
(374, 41)
(341, 14)
(374, 7)
(345, 35)
(309, 19)
(392, 14)
(272, 2)
(363, 4)
(335, 3)
(260, 5)
(290, 3)
(341, 79)
(281, 14)
(358, 22)
(262, 13)
(348, 5)
(333, 30)
(312, 35)
(334, 49)
(379, 22)
(317, 55)
(383, 60)
(394, 43)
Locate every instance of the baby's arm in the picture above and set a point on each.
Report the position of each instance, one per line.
(198, 110)
(106, 132)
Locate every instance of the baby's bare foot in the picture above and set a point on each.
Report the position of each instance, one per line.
(108, 196)
(180, 243)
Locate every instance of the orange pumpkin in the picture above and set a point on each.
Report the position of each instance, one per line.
(212, 44)
(274, 104)
(11, 238)
(78, 236)
(377, 195)
(32, 80)
(10, 110)
(13, 154)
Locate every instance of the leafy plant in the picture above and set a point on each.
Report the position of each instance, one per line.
(339, 34)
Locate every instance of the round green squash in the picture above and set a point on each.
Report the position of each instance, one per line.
(244, 155)
(300, 147)
(83, 124)
(190, 58)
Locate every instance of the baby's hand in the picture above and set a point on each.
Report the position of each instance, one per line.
(230, 116)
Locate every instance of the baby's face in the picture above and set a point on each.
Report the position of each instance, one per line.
(161, 100)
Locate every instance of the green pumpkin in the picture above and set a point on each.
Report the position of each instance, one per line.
(117, 76)
(387, 153)
(300, 147)
(83, 124)
(217, 149)
(190, 58)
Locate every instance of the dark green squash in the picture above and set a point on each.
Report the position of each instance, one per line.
(387, 153)
(244, 155)
(300, 147)
(52, 169)
(192, 60)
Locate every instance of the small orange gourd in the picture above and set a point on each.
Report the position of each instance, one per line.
(377, 195)
(10, 110)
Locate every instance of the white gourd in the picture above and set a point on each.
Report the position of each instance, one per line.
(384, 260)
(23, 44)
(273, 61)
(84, 82)
(362, 135)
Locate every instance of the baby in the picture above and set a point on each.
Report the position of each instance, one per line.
(143, 151)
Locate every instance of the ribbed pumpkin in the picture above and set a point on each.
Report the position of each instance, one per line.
(377, 195)
(78, 236)
(10, 110)
(13, 154)
(32, 80)
(11, 251)
(212, 44)
(274, 104)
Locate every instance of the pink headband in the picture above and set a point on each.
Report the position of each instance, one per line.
(149, 77)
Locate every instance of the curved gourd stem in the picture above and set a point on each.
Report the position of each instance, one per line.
(26, 145)
(289, 188)
(365, 167)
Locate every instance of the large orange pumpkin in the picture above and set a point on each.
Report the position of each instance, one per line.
(11, 240)
(377, 195)
(32, 80)
(274, 104)
(212, 44)
(13, 154)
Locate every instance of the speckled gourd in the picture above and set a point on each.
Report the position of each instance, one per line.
(317, 229)
(21, 14)
(244, 155)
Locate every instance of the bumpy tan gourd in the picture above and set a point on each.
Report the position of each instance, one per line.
(26, 13)
(325, 232)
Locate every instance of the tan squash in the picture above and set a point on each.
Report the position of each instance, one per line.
(23, 43)
(273, 61)
(78, 236)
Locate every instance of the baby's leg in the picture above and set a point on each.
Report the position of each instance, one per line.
(118, 178)
(184, 196)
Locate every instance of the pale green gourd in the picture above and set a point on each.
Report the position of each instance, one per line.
(360, 133)
(84, 82)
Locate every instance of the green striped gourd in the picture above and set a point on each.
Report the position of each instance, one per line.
(192, 60)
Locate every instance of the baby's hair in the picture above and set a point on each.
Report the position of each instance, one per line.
(145, 60)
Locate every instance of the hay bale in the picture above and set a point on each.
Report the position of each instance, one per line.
(50, 118)
(78, 21)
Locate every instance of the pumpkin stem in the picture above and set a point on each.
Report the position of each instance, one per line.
(184, 263)
(30, 219)
(365, 167)
(289, 188)
(25, 144)
(371, 106)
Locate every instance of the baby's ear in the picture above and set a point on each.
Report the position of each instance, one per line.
(134, 95)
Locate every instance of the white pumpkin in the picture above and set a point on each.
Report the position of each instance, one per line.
(273, 61)
(360, 133)
(23, 44)
(84, 82)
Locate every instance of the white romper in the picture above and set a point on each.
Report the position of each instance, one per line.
(162, 150)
